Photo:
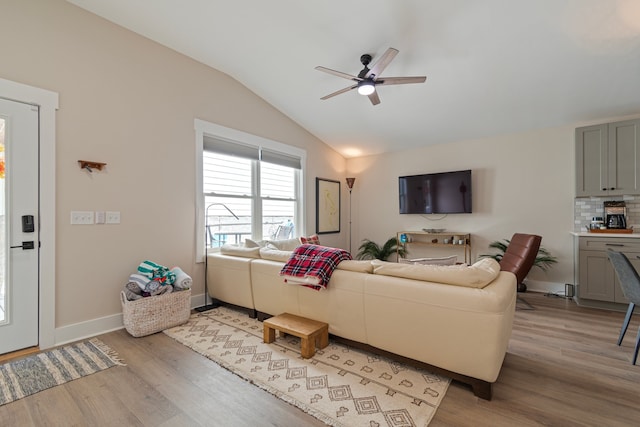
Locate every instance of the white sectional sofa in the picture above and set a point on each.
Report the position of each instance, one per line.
(455, 319)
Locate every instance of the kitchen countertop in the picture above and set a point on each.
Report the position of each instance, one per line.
(633, 235)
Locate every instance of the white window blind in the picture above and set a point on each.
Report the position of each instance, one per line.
(225, 174)
(229, 148)
(280, 159)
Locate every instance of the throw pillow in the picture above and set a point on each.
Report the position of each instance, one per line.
(312, 240)
(286, 245)
(250, 243)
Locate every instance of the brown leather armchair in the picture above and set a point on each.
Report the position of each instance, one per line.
(520, 256)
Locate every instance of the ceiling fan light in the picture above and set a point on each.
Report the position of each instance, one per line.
(366, 87)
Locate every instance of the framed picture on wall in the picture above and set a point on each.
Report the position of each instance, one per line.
(327, 206)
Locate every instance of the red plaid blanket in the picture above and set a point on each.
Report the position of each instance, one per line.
(312, 265)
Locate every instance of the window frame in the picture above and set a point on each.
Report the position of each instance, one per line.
(203, 128)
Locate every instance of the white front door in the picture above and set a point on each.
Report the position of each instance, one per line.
(19, 225)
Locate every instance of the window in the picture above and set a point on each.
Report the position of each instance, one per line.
(250, 187)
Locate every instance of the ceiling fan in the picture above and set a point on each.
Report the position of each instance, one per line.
(369, 78)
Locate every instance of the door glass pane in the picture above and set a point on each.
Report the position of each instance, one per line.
(3, 229)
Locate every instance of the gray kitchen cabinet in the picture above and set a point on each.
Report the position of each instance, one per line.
(596, 276)
(608, 159)
(597, 280)
(591, 160)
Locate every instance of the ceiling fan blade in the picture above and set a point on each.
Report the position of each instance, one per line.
(400, 80)
(346, 89)
(338, 73)
(374, 98)
(382, 63)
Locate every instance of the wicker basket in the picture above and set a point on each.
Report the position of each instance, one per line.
(147, 316)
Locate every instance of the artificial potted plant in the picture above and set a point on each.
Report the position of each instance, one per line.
(371, 250)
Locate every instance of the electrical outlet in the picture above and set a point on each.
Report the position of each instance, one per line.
(113, 217)
(81, 217)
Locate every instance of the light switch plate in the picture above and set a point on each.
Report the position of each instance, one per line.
(81, 217)
(113, 217)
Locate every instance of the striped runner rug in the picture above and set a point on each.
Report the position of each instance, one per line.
(27, 376)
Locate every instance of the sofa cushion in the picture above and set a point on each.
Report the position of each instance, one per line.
(477, 275)
(447, 260)
(356, 266)
(272, 253)
(241, 251)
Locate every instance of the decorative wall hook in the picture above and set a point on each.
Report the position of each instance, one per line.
(89, 165)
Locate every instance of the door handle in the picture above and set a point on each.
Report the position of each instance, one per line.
(25, 245)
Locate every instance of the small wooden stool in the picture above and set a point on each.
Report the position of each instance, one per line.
(310, 332)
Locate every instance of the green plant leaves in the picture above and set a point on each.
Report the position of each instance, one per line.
(371, 250)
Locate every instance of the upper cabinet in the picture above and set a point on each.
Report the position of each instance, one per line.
(608, 159)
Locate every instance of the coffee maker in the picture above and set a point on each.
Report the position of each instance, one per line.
(615, 214)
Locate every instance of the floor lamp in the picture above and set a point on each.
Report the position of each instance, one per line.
(206, 306)
(350, 182)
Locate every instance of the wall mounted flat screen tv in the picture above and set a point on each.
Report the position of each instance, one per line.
(436, 193)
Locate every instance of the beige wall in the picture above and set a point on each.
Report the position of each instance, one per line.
(521, 183)
(130, 103)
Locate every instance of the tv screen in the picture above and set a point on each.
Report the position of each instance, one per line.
(436, 193)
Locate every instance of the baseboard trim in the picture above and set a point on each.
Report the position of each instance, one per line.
(88, 329)
(102, 325)
(544, 287)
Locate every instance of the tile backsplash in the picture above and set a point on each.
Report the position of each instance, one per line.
(588, 207)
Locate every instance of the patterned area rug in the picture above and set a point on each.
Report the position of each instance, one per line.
(27, 376)
(340, 386)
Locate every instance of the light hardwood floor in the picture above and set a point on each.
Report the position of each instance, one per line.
(563, 368)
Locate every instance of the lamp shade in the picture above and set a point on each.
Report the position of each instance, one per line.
(350, 182)
(366, 87)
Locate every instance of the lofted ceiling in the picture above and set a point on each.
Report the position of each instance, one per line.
(493, 66)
